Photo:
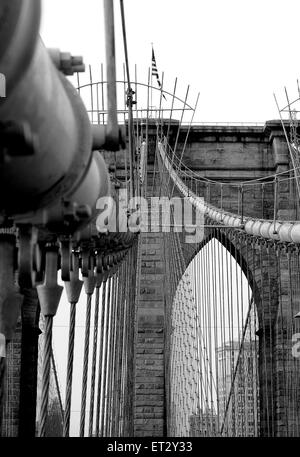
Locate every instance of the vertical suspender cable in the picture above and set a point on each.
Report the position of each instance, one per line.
(100, 361)
(93, 374)
(89, 285)
(270, 265)
(104, 385)
(115, 408)
(265, 387)
(46, 374)
(129, 103)
(73, 289)
(85, 365)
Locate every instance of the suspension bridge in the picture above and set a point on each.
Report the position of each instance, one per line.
(175, 244)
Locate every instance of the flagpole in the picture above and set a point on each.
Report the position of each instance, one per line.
(151, 105)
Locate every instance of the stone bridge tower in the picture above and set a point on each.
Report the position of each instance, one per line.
(227, 154)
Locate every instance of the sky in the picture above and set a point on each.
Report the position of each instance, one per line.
(236, 53)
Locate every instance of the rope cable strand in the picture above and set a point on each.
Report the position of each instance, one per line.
(47, 351)
(93, 375)
(85, 365)
(70, 364)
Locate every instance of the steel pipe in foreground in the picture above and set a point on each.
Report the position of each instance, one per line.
(45, 133)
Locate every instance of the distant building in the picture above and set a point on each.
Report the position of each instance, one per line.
(238, 389)
(203, 424)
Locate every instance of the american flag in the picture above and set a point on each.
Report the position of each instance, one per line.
(154, 71)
